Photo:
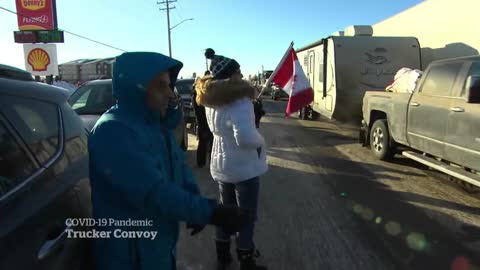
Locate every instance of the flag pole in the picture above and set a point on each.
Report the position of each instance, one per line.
(275, 71)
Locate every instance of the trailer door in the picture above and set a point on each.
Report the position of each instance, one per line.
(311, 68)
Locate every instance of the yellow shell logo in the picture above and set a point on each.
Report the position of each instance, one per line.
(38, 59)
(33, 4)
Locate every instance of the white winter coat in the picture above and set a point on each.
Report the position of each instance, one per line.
(238, 151)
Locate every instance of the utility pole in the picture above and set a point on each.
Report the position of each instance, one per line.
(168, 8)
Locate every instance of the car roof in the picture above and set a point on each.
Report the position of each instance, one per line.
(32, 89)
(99, 82)
(14, 73)
(18, 82)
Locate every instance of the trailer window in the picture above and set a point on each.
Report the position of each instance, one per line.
(320, 68)
(311, 62)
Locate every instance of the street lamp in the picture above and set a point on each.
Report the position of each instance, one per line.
(169, 38)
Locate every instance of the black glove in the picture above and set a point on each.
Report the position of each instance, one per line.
(196, 228)
(232, 219)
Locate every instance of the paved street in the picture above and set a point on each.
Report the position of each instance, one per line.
(326, 203)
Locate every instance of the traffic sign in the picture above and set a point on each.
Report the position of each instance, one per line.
(39, 36)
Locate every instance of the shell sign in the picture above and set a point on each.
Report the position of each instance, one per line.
(36, 14)
(38, 59)
(41, 59)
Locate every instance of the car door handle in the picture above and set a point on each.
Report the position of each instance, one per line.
(51, 246)
(415, 104)
(457, 109)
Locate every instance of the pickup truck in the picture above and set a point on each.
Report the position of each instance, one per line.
(439, 123)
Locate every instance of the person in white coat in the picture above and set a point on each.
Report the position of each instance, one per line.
(238, 156)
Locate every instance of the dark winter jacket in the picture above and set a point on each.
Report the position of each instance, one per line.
(202, 125)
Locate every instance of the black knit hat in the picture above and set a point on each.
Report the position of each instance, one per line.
(209, 53)
(223, 67)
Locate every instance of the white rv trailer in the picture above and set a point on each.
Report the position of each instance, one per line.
(341, 68)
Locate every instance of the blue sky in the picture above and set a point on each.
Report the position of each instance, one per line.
(254, 32)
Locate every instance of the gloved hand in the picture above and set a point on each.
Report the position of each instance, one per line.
(232, 219)
(196, 228)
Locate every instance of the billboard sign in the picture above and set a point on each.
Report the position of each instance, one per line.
(41, 59)
(36, 14)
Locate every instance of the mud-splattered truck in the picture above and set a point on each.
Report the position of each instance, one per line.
(439, 123)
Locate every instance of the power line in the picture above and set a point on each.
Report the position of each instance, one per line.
(68, 32)
(179, 12)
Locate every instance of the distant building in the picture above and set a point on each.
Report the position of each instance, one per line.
(86, 69)
(70, 71)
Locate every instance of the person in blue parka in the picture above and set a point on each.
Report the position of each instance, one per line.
(138, 172)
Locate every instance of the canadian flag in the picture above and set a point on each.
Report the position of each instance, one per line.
(290, 77)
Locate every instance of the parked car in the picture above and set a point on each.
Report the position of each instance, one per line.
(440, 120)
(184, 89)
(94, 98)
(43, 176)
(278, 93)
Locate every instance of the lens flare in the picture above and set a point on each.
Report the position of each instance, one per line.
(416, 241)
(461, 263)
(393, 228)
(367, 214)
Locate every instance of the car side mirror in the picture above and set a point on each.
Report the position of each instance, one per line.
(473, 87)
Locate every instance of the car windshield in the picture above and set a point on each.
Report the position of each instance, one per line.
(184, 87)
(92, 99)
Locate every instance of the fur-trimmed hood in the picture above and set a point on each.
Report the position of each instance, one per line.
(213, 93)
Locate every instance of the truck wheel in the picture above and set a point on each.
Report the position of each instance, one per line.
(380, 140)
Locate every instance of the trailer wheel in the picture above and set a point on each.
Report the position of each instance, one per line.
(303, 113)
(381, 142)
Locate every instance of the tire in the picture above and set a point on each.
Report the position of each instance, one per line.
(304, 113)
(381, 142)
(310, 113)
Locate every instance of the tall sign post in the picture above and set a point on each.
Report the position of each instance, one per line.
(37, 22)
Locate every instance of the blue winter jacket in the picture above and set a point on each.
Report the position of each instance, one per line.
(138, 172)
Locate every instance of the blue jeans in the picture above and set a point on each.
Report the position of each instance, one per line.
(245, 195)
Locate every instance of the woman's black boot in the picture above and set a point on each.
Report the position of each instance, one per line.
(224, 257)
(247, 260)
